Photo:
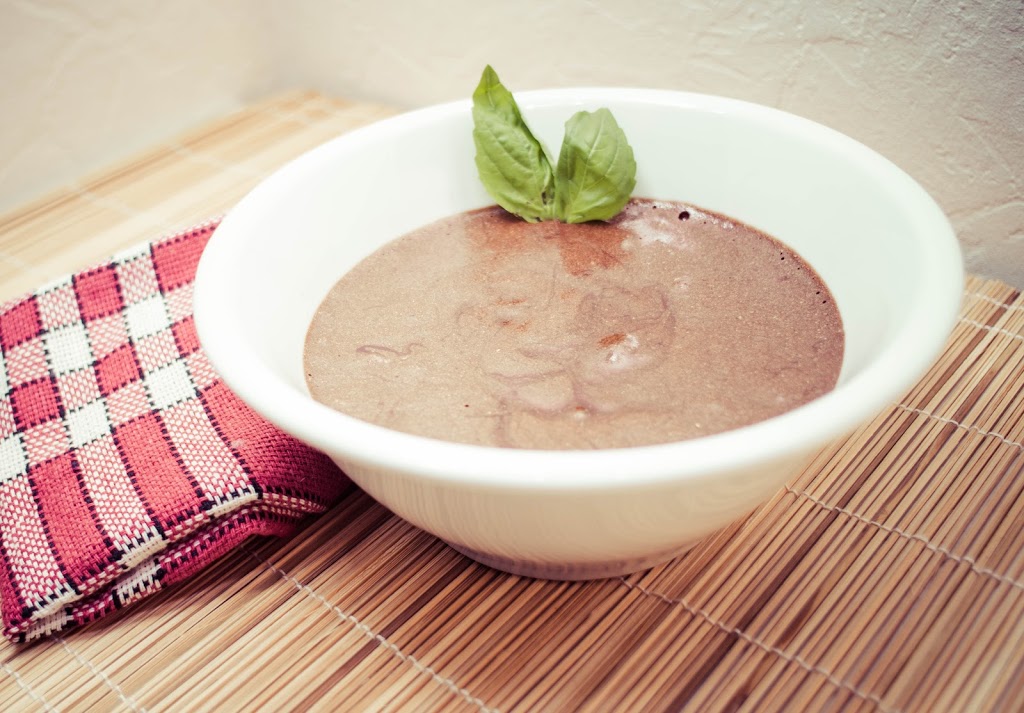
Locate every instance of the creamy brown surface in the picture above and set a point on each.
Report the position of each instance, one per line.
(668, 323)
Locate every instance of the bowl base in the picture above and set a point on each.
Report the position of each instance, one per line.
(571, 571)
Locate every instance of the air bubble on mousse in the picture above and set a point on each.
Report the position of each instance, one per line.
(697, 214)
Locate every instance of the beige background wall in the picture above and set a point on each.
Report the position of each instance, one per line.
(936, 86)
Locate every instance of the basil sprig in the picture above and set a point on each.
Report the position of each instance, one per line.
(595, 175)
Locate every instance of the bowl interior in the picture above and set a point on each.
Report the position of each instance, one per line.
(879, 242)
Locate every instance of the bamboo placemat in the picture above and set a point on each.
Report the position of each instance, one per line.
(888, 576)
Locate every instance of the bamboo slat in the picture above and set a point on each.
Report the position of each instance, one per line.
(888, 575)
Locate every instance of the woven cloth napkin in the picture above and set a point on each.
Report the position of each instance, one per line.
(126, 465)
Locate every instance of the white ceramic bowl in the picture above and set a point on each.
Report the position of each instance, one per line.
(877, 239)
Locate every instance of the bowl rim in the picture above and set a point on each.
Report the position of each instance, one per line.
(794, 433)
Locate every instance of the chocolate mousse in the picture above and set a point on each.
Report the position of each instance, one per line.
(667, 323)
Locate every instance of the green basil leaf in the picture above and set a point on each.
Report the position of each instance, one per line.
(512, 163)
(596, 171)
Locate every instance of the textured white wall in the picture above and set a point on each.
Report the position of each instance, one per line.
(85, 83)
(936, 86)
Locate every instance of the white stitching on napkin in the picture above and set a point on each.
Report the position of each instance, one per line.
(411, 660)
(29, 691)
(127, 700)
(793, 658)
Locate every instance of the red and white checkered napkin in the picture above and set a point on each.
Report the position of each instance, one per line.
(126, 465)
